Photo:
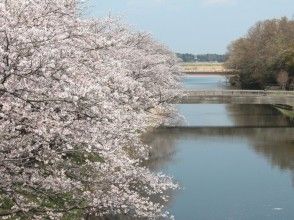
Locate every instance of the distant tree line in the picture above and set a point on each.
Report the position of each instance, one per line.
(264, 58)
(187, 57)
(211, 58)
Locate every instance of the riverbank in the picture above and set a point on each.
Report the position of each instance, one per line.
(288, 111)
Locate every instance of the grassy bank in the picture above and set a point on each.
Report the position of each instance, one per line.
(289, 112)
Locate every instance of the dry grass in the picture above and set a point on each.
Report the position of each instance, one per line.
(204, 68)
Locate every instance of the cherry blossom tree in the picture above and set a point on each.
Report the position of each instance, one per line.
(75, 98)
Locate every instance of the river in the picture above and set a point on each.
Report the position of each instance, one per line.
(233, 162)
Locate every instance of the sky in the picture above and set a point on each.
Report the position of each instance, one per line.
(193, 26)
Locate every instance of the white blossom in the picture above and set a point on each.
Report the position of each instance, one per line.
(75, 97)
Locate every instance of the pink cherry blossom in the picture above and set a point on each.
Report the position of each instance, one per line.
(76, 96)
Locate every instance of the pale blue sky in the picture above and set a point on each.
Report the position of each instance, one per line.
(194, 26)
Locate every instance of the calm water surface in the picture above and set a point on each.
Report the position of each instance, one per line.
(234, 162)
(205, 82)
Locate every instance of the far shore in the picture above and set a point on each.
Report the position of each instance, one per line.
(205, 68)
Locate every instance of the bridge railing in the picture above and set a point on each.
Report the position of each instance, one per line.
(239, 93)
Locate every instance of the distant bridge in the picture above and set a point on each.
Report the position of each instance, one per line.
(238, 97)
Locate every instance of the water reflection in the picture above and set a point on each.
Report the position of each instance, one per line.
(223, 169)
(228, 170)
(214, 115)
(261, 115)
(205, 82)
(276, 144)
(163, 148)
(278, 153)
(233, 161)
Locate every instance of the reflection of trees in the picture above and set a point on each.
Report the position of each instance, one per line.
(280, 154)
(162, 143)
(278, 149)
(260, 115)
(275, 144)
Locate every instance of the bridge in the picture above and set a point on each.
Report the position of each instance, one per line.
(238, 97)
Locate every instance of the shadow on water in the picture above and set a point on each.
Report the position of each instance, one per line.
(239, 168)
(260, 115)
(233, 115)
(275, 144)
(201, 171)
(274, 139)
